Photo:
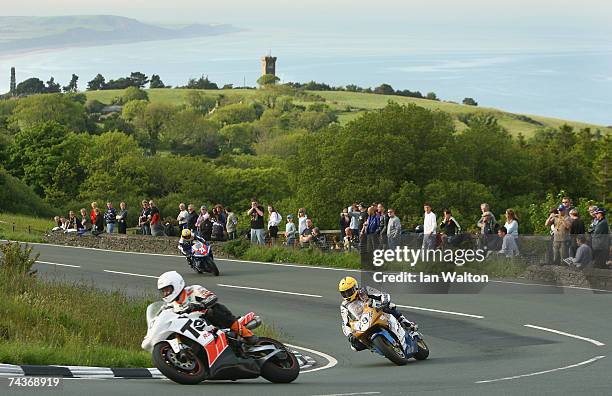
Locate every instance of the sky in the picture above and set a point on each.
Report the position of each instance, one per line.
(577, 17)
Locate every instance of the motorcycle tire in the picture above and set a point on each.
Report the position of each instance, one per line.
(423, 351)
(276, 370)
(383, 345)
(162, 353)
(212, 266)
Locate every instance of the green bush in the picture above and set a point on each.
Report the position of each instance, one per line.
(16, 259)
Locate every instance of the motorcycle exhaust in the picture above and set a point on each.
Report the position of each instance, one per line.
(254, 323)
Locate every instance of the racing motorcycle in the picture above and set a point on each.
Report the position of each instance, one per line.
(384, 335)
(187, 350)
(201, 259)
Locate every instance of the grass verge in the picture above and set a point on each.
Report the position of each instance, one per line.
(23, 228)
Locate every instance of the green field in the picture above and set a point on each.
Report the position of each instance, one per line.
(351, 104)
(23, 228)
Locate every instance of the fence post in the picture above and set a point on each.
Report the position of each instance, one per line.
(29, 230)
(13, 227)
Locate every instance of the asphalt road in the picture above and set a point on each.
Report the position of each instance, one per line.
(479, 342)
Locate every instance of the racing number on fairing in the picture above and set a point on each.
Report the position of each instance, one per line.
(198, 326)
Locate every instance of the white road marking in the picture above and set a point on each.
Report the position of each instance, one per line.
(350, 394)
(592, 341)
(331, 361)
(558, 286)
(596, 358)
(131, 274)
(62, 265)
(441, 311)
(269, 290)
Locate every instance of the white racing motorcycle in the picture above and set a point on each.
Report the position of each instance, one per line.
(187, 350)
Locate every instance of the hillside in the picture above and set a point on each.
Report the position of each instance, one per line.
(19, 34)
(351, 104)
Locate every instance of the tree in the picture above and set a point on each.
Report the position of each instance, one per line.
(384, 89)
(469, 102)
(13, 81)
(190, 132)
(134, 93)
(72, 85)
(603, 169)
(53, 87)
(98, 83)
(201, 83)
(431, 96)
(149, 120)
(200, 102)
(235, 114)
(38, 109)
(30, 86)
(138, 79)
(267, 80)
(156, 82)
(238, 138)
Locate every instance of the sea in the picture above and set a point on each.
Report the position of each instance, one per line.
(556, 76)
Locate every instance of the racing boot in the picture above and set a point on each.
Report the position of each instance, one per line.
(408, 325)
(246, 334)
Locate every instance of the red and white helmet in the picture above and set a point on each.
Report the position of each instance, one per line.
(170, 284)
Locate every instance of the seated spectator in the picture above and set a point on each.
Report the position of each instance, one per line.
(348, 238)
(584, 254)
(509, 247)
(85, 221)
(73, 224)
(290, 231)
(317, 239)
(59, 225)
(306, 235)
(450, 228)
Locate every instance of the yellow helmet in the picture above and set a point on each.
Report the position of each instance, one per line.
(348, 288)
(186, 234)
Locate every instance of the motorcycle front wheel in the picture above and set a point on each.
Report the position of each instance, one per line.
(212, 266)
(391, 352)
(188, 370)
(281, 368)
(423, 351)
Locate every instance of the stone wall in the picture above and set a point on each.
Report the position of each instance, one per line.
(591, 277)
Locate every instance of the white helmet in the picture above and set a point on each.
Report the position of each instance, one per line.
(173, 279)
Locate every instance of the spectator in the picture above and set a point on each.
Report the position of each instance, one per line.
(155, 220)
(317, 239)
(302, 217)
(85, 220)
(363, 217)
(594, 220)
(192, 218)
(370, 229)
(383, 222)
(290, 230)
(122, 216)
(450, 228)
(182, 217)
(306, 235)
(98, 227)
(73, 224)
(429, 228)
(488, 231)
(601, 239)
(509, 247)
(204, 224)
(567, 204)
(584, 253)
(257, 223)
(59, 225)
(394, 230)
(218, 228)
(484, 208)
(561, 230)
(349, 239)
(355, 214)
(344, 222)
(231, 223)
(576, 230)
(144, 219)
(92, 215)
(110, 217)
(511, 224)
(221, 216)
(274, 219)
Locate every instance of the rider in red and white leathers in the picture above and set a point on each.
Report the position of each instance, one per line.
(356, 298)
(197, 298)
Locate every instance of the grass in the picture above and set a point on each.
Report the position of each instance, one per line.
(15, 227)
(361, 102)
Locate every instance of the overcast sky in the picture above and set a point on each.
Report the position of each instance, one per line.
(588, 16)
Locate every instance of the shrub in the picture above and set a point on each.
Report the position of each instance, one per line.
(16, 258)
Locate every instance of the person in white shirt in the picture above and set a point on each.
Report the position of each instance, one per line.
(302, 217)
(182, 216)
(274, 219)
(429, 228)
(511, 223)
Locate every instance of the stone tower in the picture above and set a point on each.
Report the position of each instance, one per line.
(268, 65)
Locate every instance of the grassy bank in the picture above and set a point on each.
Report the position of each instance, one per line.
(23, 228)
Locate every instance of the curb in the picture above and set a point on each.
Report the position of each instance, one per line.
(11, 370)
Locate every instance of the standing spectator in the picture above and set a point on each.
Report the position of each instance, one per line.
(98, 227)
(192, 218)
(144, 219)
(204, 224)
(383, 222)
(576, 230)
(394, 230)
(122, 218)
(257, 223)
(354, 213)
(511, 224)
(221, 213)
(73, 224)
(429, 228)
(370, 230)
(484, 208)
(601, 239)
(509, 247)
(302, 217)
(584, 253)
(450, 228)
(567, 204)
(92, 215)
(110, 217)
(290, 230)
(182, 217)
(561, 229)
(594, 220)
(488, 232)
(155, 220)
(274, 219)
(85, 220)
(218, 228)
(231, 223)
(344, 222)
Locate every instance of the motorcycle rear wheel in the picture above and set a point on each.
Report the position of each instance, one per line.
(163, 356)
(277, 370)
(389, 351)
